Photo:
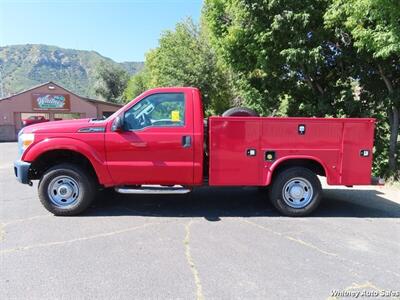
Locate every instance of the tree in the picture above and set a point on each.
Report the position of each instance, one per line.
(279, 50)
(373, 28)
(112, 82)
(265, 44)
(137, 84)
(184, 57)
(313, 58)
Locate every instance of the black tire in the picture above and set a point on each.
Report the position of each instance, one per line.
(295, 176)
(85, 195)
(240, 112)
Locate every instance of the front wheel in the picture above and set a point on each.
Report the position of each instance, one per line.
(66, 190)
(295, 192)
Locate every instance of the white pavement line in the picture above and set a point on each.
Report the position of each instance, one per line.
(27, 219)
(189, 258)
(3, 225)
(2, 232)
(290, 238)
(6, 167)
(85, 238)
(337, 256)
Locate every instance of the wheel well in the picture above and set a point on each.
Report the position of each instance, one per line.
(51, 158)
(310, 164)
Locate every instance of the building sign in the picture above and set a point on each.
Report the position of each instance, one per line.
(51, 102)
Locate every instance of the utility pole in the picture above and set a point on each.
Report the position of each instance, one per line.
(1, 82)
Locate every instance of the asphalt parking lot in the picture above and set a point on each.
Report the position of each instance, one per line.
(211, 244)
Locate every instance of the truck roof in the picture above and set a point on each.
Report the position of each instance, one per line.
(172, 88)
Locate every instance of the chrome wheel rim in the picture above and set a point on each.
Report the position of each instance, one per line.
(297, 192)
(63, 191)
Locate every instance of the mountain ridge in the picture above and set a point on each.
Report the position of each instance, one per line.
(27, 65)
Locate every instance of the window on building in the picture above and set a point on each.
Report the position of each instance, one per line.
(71, 116)
(34, 118)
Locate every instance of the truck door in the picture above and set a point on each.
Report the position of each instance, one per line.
(156, 145)
(235, 156)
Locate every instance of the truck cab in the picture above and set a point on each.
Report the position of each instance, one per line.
(158, 140)
(160, 143)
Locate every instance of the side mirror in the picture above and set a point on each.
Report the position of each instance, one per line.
(118, 124)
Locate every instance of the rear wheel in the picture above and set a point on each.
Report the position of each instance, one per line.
(66, 190)
(295, 192)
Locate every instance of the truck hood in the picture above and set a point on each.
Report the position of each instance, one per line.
(65, 126)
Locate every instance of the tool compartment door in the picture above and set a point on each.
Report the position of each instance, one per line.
(357, 136)
(235, 158)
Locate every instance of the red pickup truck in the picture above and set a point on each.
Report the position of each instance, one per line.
(34, 120)
(160, 143)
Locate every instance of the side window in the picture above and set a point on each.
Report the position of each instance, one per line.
(162, 110)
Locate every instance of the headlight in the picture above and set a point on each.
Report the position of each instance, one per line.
(24, 141)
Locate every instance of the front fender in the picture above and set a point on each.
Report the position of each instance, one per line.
(50, 144)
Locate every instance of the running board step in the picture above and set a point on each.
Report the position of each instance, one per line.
(153, 189)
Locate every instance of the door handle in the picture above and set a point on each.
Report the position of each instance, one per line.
(139, 144)
(186, 141)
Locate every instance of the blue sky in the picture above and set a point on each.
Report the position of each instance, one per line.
(123, 30)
